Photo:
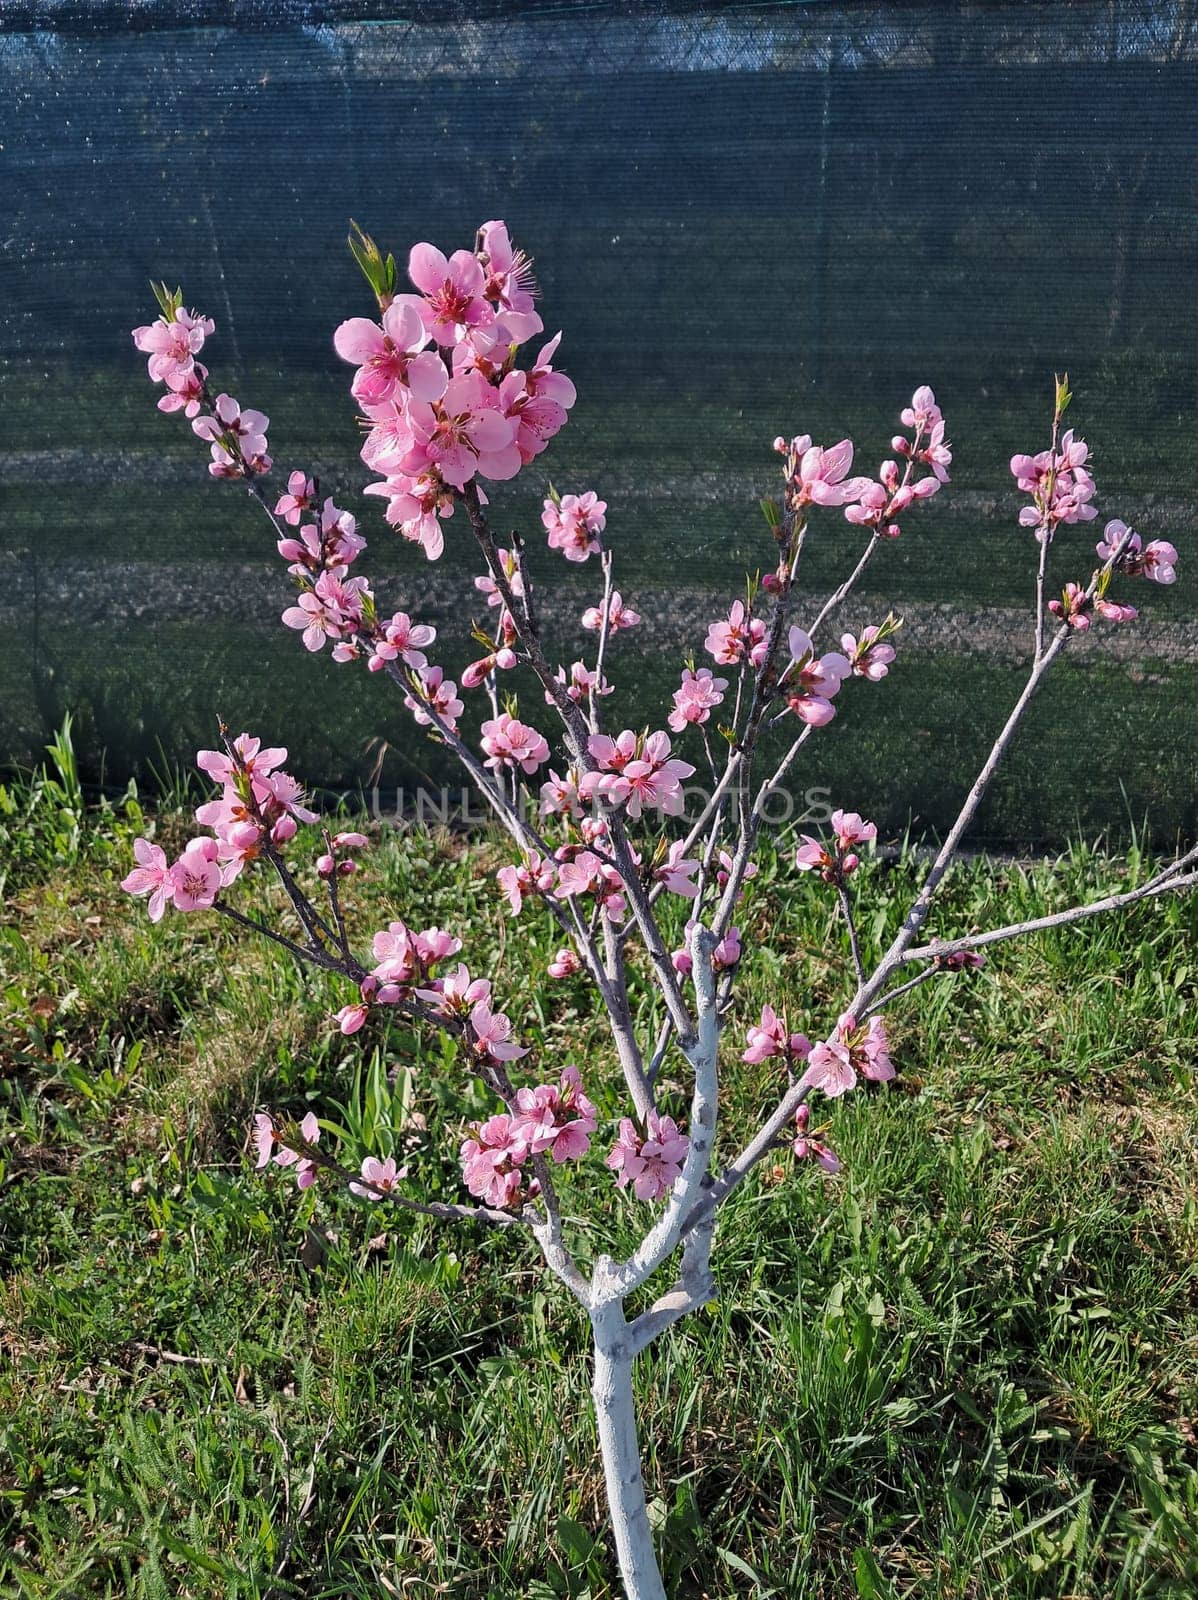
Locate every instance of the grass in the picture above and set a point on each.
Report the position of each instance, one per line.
(966, 1368)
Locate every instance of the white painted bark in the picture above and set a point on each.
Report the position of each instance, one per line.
(615, 1417)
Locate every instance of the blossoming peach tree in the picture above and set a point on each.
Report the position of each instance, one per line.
(596, 817)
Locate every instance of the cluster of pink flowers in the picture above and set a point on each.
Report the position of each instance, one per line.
(532, 876)
(770, 1038)
(619, 616)
(438, 383)
(509, 742)
(805, 1145)
(695, 698)
(582, 872)
(869, 656)
(834, 1065)
(635, 771)
(726, 954)
(552, 1119)
(405, 961)
(431, 694)
(737, 638)
(1074, 606)
(580, 683)
(649, 1158)
(820, 476)
(1060, 485)
(172, 344)
(270, 1147)
(258, 802)
(816, 476)
(1157, 560)
(574, 523)
(812, 682)
(834, 865)
(237, 439)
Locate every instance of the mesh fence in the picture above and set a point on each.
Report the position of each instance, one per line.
(748, 220)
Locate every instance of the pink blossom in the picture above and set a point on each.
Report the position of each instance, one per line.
(565, 964)
(829, 1069)
(417, 503)
(464, 435)
(937, 453)
(532, 876)
(301, 491)
(453, 304)
(1157, 560)
(555, 1121)
(1060, 486)
(1072, 608)
(724, 872)
(740, 635)
(694, 699)
(726, 954)
(509, 284)
(150, 876)
(195, 877)
(923, 413)
(248, 428)
(457, 993)
(511, 743)
(389, 358)
(284, 794)
(583, 872)
(331, 609)
(811, 681)
(580, 683)
(185, 391)
(851, 829)
(770, 1038)
(267, 1141)
(173, 345)
(334, 544)
(574, 524)
(1114, 612)
(491, 1161)
(433, 692)
(677, 871)
(619, 616)
(820, 477)
(379, 1175)
(814, 856)
(492, 1032)
(651, 1161)
(960, 960)
(248, 756)
(805, 1145)
(560, 796)
(351, 1018)
(636, 772)
(876, 1064)
(866, 656)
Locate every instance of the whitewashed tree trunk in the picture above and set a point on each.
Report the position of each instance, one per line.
(615, 1417)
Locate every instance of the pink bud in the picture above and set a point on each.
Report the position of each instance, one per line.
(477, 672)
(284, 829)
(350, 1018)
(325, 865)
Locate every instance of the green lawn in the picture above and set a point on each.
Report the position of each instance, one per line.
(966, 1367)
